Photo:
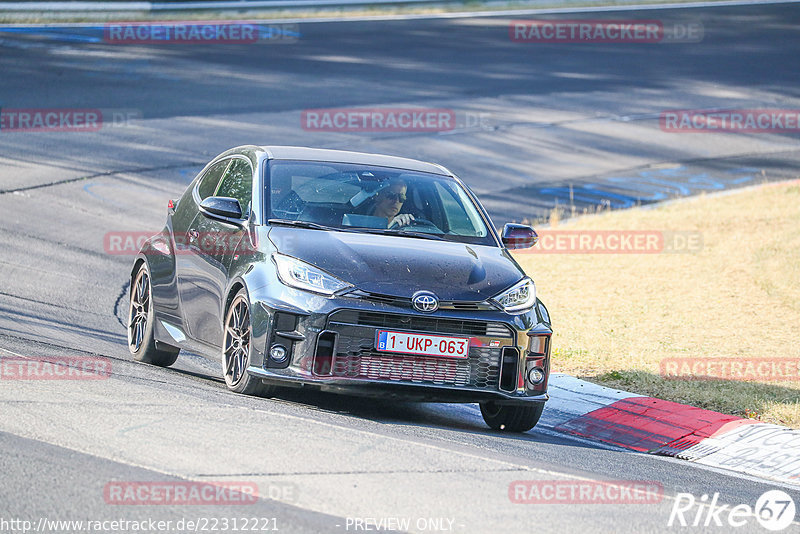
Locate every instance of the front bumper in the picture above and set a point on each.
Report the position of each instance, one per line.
(331, 346)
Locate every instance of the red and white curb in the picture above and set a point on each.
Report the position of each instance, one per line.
(656, 426)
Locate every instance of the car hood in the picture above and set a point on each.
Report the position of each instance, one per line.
(400, 266)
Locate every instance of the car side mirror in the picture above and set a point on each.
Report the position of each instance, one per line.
(516, 236)
(225, 207)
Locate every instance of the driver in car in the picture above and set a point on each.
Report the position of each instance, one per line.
(388, 203)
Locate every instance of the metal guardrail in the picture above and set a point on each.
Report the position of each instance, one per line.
(70, 6)
(82, 6)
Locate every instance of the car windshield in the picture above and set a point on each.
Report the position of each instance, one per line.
(365, 198)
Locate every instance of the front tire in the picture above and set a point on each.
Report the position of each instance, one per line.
(511, 418)
(141, 342)
(237, 348)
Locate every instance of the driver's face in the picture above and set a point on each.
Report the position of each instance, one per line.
(390, 201)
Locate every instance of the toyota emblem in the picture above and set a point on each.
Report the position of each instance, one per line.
(425, 301)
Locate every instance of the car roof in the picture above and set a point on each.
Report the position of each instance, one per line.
(343, 156)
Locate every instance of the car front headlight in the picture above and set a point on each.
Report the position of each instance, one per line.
(519, 297)
(302, 275)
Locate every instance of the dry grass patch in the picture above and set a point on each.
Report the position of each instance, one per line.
(617, 316)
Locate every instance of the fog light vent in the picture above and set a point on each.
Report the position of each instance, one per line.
(323, 356)
(508, 369)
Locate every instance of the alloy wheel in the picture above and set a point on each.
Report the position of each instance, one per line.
(139, 311)
(237, 341)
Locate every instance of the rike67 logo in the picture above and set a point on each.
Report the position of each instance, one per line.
(774, 510)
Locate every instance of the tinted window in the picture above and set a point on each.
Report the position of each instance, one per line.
(365, 198)
(238, 183)
(460, 221)
(208, 183)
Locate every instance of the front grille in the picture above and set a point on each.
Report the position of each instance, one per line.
(465, 306)
(421, 323)
(375, 366)
(405, 302)
(356, 356)
(480, 370)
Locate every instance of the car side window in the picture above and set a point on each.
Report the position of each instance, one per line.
(458, 221)
(237, 183)
(208, 183)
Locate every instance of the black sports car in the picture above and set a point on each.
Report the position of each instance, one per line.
(357, 273)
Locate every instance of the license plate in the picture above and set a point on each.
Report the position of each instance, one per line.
(422, 344)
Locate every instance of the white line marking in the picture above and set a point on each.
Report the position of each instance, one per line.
(11, 352)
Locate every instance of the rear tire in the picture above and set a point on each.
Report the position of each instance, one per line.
(237, 348)
(141, 342)
(511, 418)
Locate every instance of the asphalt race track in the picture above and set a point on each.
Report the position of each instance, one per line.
(535, 123)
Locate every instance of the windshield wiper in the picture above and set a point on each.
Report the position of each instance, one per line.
(403, 233)
(420, 235)
(301, 224)
(356, 229)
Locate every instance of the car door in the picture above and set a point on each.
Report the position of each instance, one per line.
(184, 215)
(211, 243)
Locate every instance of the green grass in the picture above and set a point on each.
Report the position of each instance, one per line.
(617, 316)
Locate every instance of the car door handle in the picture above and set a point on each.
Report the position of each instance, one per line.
(193, 234)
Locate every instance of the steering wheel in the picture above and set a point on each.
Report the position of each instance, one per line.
(419, 222)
